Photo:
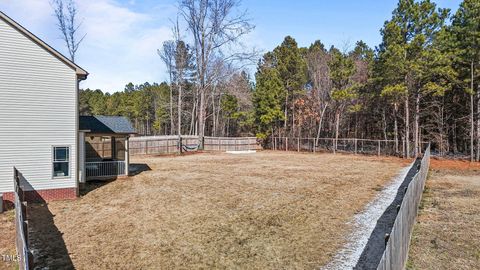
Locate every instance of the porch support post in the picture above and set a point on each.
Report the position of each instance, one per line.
(113, 147)
(127, 155)
(81, 157)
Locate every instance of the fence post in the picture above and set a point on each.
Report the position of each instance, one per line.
(355, 145)
(146, 147)
(23, 206)
(314, 145)
(298, 144)
(180, 144)
(379, 147)
(286, 143)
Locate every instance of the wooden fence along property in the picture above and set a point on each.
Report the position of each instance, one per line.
(21, 225)
(230, 143)
(156, 145)
(396, 252)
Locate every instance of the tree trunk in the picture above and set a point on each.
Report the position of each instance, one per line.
(194, 115)
(179, 104)
(472, 123)
(455, 146)
(384, 118)
(478, 124)
(293, 121)
(441, 129)
(201, 116)
(172, 128)
(337, 126)
(155, 115)
(320, 122)
(417, 125)
(407, 128)
(219, 109)
(356, 125)
(228, 127)
(214, 115)
(148, 124)
(286, 115)
(395, 126)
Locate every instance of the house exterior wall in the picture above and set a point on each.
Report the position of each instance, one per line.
(38, 110)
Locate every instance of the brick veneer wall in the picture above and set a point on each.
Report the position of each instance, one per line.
(43, 195)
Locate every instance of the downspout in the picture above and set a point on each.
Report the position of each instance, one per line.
(77, 128)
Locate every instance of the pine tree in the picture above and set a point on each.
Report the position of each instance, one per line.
(267, 101)
(406, 36)
(292, 71)
(466, 32)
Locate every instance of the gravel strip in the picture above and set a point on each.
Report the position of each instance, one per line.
(364, 224)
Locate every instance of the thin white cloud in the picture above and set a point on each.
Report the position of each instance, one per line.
(34, 13)
(120, 45)
(105, 22)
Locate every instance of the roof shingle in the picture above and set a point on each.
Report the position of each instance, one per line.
(106, 124)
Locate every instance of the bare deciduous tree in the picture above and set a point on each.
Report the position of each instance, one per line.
(167, 53)
(215, 26)
(319, 73)
(183, 69)
(66, 14)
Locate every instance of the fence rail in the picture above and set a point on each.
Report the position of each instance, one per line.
(396, 252)
(104, 168)
(350, 145)
(156, 145)
(21, 224)
(230, 143)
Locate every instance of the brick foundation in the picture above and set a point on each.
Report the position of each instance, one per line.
(46, 195)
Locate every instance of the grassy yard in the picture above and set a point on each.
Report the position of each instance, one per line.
(267, 210)
(7, 239)
(447, 232)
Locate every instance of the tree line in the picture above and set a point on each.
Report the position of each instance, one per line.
(420, 84)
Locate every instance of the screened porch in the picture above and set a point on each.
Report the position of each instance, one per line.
(104, 156)
(104, 151)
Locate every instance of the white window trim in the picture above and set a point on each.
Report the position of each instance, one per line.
(69, 162)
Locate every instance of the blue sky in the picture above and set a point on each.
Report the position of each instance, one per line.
(123, 35)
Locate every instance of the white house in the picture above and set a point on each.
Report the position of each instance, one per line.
(39, 119)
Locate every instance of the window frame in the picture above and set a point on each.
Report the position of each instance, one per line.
(69, 159)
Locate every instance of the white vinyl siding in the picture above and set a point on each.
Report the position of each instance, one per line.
(37, 111)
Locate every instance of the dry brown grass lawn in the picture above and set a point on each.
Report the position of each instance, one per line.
(447, 232)
(269, 210)
(7, 239)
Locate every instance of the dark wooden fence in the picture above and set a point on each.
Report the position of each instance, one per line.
(396, 252)
(156, 145)
(21, 223)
